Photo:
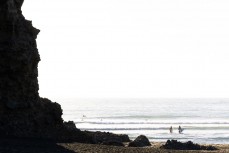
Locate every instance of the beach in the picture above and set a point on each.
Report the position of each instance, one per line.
(155, 148)
(38, 146)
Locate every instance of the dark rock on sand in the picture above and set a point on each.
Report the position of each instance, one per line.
(176, 145)
(140, 141)
(100, 137)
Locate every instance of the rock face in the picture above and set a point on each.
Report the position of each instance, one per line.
(18, 58)
(140, 141)
(176, 145)
(22, 112)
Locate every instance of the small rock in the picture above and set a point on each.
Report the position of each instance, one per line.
(176, 145)
(140, 141)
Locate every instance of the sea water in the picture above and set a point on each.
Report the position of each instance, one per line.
(203, 120)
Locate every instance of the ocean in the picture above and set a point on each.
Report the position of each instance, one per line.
(203, 120)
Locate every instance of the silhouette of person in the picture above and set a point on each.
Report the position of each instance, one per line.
(171, 129)
(180, 129)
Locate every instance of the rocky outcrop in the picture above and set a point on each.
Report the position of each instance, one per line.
(140, 141)
(176, 145)
(18, 59)
(22, 112)
(107, 137)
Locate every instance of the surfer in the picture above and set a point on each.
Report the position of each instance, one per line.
(180, 130)
(171, 129)
(84, 116)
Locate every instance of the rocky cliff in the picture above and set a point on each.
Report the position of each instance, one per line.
(22, 112)
(18, 58)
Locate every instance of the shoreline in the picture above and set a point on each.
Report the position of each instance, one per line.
(39, 146)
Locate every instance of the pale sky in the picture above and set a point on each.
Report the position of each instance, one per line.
(132, 48)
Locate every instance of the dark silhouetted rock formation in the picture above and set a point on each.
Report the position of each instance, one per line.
(176, 145)
(107, 137)
(140, 141)
(22, 112)
(18, 58)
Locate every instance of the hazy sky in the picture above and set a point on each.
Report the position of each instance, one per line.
(132, 48)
